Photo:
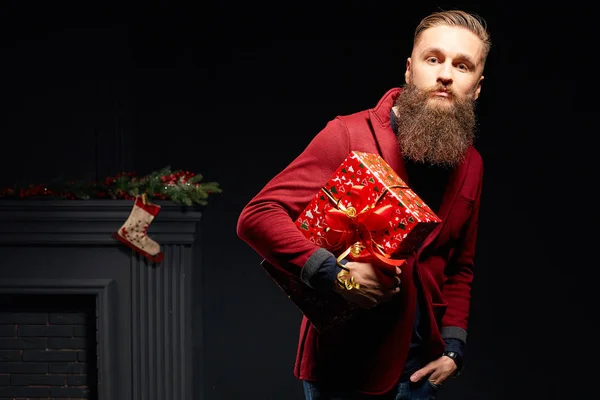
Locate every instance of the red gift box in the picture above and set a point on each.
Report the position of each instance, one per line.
(364, 212)
(367, 212)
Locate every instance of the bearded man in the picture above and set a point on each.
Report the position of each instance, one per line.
(413, 334)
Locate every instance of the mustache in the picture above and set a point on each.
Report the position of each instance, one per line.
(439, 88)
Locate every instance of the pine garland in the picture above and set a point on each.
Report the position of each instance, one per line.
(181, 187)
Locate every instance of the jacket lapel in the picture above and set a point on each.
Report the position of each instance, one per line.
(384, 135)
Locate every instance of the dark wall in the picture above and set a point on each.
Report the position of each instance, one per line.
(236, 92)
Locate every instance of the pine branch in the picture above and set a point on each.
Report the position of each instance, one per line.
(182, 187)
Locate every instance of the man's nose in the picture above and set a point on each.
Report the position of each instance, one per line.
(445, 74)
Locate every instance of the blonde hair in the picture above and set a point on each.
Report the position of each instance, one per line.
(473, 22)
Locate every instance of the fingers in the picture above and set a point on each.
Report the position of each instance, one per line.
(389, 271)
(389, 294)
(396, 283)
(385, 273)
(392, 286)
(375, 291)
(423, 372)
(393, 289)
(434, 372)
(436, 379)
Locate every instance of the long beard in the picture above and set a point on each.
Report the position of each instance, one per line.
(438, 134)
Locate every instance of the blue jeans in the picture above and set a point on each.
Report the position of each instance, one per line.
(423, 390)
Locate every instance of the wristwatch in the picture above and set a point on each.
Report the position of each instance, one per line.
(457, 359)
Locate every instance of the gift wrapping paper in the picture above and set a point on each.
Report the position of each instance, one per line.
(366, 210)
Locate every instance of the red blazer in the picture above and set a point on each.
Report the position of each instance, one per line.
(369, 354)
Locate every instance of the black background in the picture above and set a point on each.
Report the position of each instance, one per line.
(235, 91)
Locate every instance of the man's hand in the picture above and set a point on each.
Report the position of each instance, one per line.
(376, 285)
(437, 371)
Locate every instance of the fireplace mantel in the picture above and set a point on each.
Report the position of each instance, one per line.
(144, 309)
(88, 222)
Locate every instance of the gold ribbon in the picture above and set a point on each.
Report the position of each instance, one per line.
(345, 282)
(352, 226)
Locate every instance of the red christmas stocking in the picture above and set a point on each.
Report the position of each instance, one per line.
(133, 233)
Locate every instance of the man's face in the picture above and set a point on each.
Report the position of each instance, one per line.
(436, 118)
(447, 61)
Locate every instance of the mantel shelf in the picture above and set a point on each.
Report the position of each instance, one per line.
(85, 222)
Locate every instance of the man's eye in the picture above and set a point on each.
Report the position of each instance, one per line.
(432, 60)
(463, 67)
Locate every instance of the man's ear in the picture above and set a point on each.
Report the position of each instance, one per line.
(407, 72)
(478, 88)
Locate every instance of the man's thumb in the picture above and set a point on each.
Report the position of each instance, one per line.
(416, 377)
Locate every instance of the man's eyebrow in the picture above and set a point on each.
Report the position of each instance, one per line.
(459, 55)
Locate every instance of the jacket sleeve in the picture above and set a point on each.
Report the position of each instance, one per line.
(266, 223)
(459, 274)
